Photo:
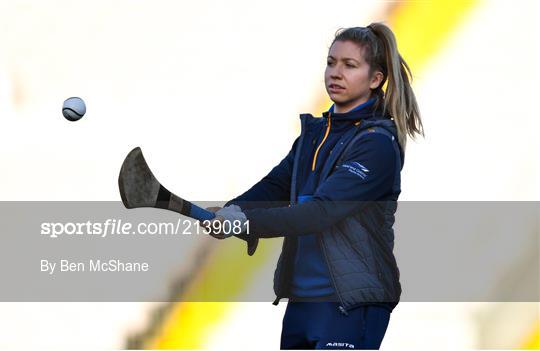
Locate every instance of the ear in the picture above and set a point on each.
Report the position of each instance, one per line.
(376, 80)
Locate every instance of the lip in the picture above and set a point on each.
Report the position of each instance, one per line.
(335, 88)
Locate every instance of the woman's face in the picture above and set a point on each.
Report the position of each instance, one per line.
(347, 77)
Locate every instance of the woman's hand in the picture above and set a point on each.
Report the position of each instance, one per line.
(209, 225)
(229, 221)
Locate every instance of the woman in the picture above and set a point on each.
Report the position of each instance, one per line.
(333, 199)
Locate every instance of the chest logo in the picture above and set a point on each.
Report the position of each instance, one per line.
(357, 168)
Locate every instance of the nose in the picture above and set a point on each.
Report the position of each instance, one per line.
(335, 72)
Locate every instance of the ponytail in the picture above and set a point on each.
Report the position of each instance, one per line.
(382, 55)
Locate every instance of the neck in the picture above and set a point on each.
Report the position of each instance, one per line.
(346, 107)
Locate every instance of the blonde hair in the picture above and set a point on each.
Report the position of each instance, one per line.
(381, 53)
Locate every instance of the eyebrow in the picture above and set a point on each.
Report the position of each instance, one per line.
(344, 59)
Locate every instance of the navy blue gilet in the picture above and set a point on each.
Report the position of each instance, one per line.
(311, 278)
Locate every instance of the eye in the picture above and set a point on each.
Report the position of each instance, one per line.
(329, 63)
(349, 65)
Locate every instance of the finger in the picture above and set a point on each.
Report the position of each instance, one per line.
(219, 218)
(206, 225)
(210, 226)
(217, 236)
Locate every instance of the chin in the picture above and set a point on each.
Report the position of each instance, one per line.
(337, 98)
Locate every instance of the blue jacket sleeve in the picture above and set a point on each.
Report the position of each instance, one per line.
(366, 174)
(271, 191)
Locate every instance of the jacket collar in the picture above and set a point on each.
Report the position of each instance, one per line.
(363, 111)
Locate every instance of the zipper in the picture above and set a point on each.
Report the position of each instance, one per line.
(285, 278)
(322, 142)
(341, 309)
(282, 278)
(296, 160)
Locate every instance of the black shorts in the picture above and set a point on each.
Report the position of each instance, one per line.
(320, 325)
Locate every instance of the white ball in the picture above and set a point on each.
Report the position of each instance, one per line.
(74, 108)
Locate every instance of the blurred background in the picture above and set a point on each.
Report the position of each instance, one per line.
(225, 81)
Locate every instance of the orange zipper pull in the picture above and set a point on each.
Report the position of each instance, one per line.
(322, 142)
